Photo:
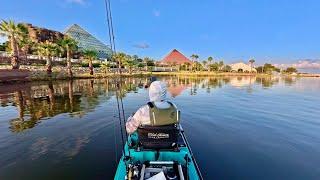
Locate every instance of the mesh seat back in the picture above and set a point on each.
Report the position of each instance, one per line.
(158, 137)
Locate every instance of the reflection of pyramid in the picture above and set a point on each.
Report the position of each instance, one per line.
(176, 90)
(87, 41)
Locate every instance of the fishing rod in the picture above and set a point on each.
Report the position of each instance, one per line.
(120, 108)
(191, 154)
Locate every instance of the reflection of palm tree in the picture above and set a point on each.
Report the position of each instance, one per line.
(20, 104)
(91, 87)
(51, 95)
(250, 89)
(71, 95)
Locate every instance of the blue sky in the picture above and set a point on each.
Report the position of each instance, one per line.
(277, 31)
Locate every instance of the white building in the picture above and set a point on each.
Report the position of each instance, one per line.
(242, 67)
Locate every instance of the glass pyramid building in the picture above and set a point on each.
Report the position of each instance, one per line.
(88, 42)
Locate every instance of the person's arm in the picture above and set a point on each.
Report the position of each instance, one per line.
(134, 122)
(132, 125)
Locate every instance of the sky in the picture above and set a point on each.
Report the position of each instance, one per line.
(275, 31)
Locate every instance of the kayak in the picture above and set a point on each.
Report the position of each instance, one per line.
(138, 162)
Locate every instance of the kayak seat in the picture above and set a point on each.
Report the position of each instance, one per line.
(158, 137)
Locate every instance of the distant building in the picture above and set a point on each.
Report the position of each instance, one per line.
(175, 57)
(241, 67)
(38, 34)
(87, 41)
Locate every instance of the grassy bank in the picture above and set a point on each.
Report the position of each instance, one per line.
(41, 75)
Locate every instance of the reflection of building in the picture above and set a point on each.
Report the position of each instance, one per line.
(87, 41)
(242, 81)
(241, 67)
(175, 57)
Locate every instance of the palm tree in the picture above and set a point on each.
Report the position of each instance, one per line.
(135, 57)
(48, 50)
(25, 42)
(25, 46)
(194, 57)
(220, 65)
(69, 45)
(187, 66)
(210, 59)
(119, 58)
(251, 61)
(14, 32)
(129, 62)
(105, 66)
(148, 62)
(204, 64)
(90, 55)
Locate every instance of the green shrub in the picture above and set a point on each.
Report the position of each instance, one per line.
(95, 65)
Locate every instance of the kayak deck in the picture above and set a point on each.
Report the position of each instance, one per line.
(138, 159)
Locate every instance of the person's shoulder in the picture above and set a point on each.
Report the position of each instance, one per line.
(143, 108)
(173, 104)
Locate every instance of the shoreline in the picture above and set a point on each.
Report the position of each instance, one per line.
(22, 75)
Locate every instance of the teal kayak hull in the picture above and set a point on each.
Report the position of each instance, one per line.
(181, 156)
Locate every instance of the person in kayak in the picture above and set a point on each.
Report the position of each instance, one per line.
(157, 112)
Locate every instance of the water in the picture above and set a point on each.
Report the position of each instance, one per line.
(238, 127)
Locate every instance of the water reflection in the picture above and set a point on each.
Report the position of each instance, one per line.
(42, 100)
(70, 128)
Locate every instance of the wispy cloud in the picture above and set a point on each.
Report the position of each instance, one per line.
(156, 13)
(80, 2)
(141, 45)
(302, 64)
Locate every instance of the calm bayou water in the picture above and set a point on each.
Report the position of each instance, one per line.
(238, 127)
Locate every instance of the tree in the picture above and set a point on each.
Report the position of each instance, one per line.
(267, 68)
(198, 66)
(291, 70)
(135, 57)
(69, 45)
(140, 65)
(251, 61)
(148, 62)
(204, 64)
(105, 65)
(4, 46)
(90, 55)
(194, 58)
(25, 42)
(227, 68)
(210, 59)
(48, 50)
(220, 65)
(186, 66)
(129, 62)
(119, 58)
(214, 67)
(14, 32)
